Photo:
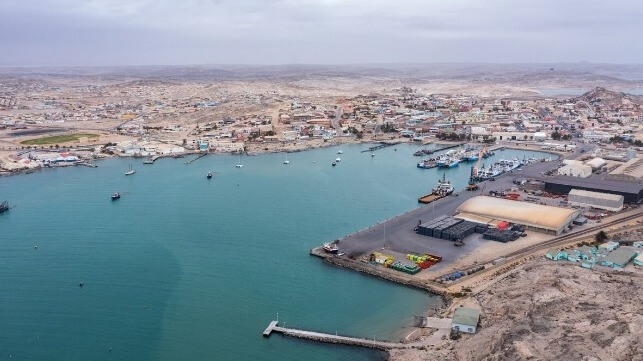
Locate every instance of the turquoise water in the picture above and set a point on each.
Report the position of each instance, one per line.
(185, 268)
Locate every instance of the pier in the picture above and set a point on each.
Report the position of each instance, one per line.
(329, 338)
(376, 147)
(197, 158)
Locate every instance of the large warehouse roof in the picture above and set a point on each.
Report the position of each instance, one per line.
(529, 214)
(631, 171)
(597, 195)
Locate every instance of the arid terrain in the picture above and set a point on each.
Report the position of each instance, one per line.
(550, 311)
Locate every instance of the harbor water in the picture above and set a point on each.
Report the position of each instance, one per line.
(188, 268)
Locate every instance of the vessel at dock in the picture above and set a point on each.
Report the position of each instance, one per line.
(427, 164)
(498, 168)
(423, 152)
(330, 248)
(441, 190)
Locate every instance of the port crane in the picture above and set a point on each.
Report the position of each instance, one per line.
(472, 186)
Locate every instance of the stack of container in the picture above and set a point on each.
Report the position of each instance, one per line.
(405, 268)
(495, 234)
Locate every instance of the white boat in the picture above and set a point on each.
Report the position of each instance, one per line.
(340, 151)
(338, 160)
(130, 171)
(286, 161)
(239, 165)
(372, 154)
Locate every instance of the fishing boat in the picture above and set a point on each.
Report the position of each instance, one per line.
(470, 156)
(209, 175)
(4, 206)
(116, 196)
(130, 171)
(441, 190)
(449, 162)
(498, 168)
(427, 164)
(444, 187)
(330, 248)
(423, 152)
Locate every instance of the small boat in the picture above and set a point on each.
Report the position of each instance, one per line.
(340, 151)
(239, 165)
(130, 171)
(148, 161)
(116, 196)
(338, 160)
(209, 175)
(372, 154)
(330, 248)
(334, 164)
(4, 206)
(286, 161)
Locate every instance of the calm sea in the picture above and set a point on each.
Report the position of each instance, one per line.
(185, 268)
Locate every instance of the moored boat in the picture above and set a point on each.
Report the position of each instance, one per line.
(330, 248)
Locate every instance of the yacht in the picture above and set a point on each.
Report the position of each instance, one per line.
(130, 171)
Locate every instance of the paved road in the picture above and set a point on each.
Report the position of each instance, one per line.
(400, 236)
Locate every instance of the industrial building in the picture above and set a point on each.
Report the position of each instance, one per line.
(596, 163)
(575, 170)
(541, 218)
(630, 171)
(632, 192)
(465, 319)
(619, 258)
(606, 201)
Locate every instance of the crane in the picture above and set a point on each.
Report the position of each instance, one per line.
(472, 186)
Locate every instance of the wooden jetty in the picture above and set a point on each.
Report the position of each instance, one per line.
(329, 338)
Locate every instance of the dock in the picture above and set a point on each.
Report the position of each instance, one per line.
(329, 338)
(197, 158)
(376, 147)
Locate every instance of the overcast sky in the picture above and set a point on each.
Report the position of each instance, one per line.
(142, 32)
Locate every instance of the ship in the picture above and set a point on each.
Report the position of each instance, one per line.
(423, 152)
(130, 171)
(448, 162)
(4, 206)
(498, 168)
(470, 156)
(442, 189)
(330, 248)
(427, 164)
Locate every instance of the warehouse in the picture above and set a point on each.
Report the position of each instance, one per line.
(630, 171)
(632, 192)
(596, 163)
(619, 258)
(541, 218)
(575, 170)
(606, 201)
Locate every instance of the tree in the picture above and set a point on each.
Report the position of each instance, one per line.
(601, 236)
(555, 135)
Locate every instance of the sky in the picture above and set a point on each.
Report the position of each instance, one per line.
(186, 32)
